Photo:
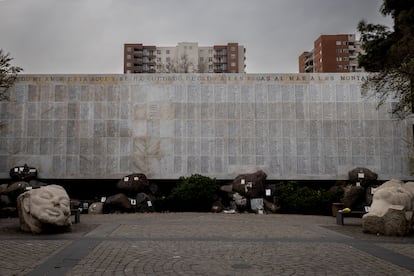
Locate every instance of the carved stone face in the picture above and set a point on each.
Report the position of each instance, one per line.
(45, 205)
(50, 204)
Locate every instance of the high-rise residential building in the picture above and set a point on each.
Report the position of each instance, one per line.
(186, 57)
(330, 54)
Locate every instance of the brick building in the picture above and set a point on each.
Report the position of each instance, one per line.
(186, 57)
(330, 54)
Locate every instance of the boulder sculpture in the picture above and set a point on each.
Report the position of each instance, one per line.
(391, 211)
(45, 209)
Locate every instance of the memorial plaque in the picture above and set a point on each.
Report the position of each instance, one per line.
(207, 146)
(73, 93)
(261, 111)
(33, 110)
(261, 146)
(289, 128)
(72, 146)
(33, 146)
(246, 94)
(234, 128)
(315, 93)
(60, 111)
(288, 93)
(193, 94)
(289, 147)
(207, 128)
(233, 93)
(247, 111)
(61, 94)
(275, 128)
(300, 93)
(274, 94)
(260, 94)
(220, 95)
(234, 146)
(207, 94)
(302, 147)
(233, 111)
(275, 111)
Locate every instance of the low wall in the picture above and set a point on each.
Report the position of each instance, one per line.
(292, 126)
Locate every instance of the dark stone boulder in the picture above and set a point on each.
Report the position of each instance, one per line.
(117, 203)
(144, 203)
(23, 173)
(13, 190)
(362, 175)
(354, 197)
(133, 184)
(250, 185)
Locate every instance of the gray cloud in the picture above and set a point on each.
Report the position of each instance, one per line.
(87, 36)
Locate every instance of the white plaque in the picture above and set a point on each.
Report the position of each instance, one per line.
(16, 169)
(28, 188)
(136, 178)
(126, 178)
(242, 182)
(358, 184)
(361, 175)
(103, 199)
(133, 202)
(149, 203)
(268, 192)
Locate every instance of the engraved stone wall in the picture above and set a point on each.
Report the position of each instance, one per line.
(293, 126)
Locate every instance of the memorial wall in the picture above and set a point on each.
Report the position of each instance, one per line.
(292, 126)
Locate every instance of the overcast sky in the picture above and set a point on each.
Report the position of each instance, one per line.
(87, 36)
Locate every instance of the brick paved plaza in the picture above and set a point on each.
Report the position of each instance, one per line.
(205, 244)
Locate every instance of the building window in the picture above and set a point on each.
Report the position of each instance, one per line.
(128, 64)
(339, 67)
(233, 56)
(128, 56)
(168, 59)
(344, 42)
(338, 42)
(346, 67)
(158, 52)
(338, 58)
(232, 48)
(129, 49)
(233, 64)
(201, 59)
(345, 50)
(128, 71)
(167, 52)
(338, 50)
(210, 59)
(345, 58)
(158, 59)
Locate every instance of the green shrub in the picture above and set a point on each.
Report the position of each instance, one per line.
(194, 193)
(296, 198)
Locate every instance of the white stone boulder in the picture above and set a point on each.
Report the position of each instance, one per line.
(45, 209)
(391, 211)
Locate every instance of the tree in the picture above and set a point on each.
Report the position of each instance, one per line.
(8, 74)
(182, 65)
(389, 55)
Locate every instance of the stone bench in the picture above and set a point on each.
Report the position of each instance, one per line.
(340, 215)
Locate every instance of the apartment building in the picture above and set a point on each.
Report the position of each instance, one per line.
(186, 57)
(331, 54)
